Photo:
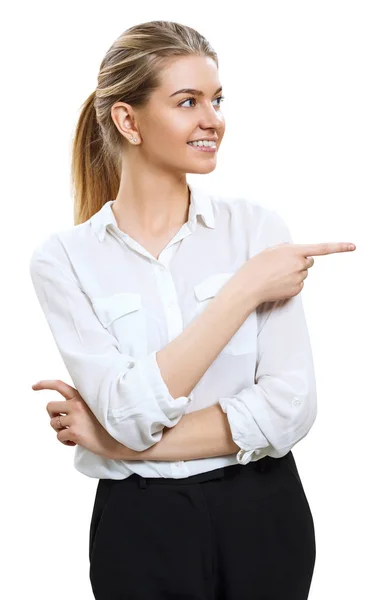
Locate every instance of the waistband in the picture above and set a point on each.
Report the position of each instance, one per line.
(262, 464)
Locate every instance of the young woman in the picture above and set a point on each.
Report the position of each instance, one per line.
(179, 318)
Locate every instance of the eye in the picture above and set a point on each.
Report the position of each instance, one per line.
(221, 98)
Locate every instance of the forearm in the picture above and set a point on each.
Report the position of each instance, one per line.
(200, 434)
(185, 360)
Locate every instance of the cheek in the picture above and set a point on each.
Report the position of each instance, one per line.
(180, 130)
(169, 136)
(156, 129)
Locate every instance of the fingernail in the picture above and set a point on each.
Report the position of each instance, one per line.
(351, 247)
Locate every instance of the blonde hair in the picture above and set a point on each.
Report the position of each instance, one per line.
(129, 72)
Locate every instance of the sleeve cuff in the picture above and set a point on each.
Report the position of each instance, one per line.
(172, 407)
(144, 385)
(243, 457)
(250, 449)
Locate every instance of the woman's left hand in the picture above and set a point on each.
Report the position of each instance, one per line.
(78, 424)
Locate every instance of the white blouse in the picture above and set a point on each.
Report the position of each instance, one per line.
(111, 306)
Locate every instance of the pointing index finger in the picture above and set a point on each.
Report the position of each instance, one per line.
(325, 248)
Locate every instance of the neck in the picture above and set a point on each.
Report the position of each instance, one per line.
(151, 203)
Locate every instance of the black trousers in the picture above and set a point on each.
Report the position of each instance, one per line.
(242, 532)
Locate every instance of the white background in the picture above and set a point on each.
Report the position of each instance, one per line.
(300, 106)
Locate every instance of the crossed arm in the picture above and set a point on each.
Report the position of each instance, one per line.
(199, 434)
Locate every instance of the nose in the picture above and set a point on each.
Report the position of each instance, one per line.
(212, 118)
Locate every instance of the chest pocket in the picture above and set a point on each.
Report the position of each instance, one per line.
(123, 315)
(244, 341)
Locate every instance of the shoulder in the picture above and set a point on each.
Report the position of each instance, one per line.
(56, 246)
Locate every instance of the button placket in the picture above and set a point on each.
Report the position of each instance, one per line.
(170, 301)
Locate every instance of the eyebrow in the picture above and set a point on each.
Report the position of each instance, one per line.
(193, 91)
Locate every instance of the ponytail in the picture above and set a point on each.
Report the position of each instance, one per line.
(95, 175)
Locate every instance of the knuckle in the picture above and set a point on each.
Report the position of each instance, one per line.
(74, 435)
(73, 431)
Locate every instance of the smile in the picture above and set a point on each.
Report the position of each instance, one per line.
(203, 148)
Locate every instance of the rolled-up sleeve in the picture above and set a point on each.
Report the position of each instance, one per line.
(271, 416)
(127, 395)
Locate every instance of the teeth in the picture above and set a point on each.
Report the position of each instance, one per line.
(202, 143)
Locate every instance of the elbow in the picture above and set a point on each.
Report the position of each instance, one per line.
(134, 432)
(304, 412)
(138, 405)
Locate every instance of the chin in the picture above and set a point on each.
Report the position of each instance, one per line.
(208, 169)
(203, 170)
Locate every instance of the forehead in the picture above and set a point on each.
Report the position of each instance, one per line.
(189, 72)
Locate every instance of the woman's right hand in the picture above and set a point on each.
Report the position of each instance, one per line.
(278, 272)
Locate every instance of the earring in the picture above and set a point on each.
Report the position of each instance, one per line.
(133, 139)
